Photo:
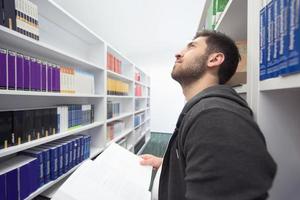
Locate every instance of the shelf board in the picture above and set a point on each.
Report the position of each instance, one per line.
(233, 21)
(119, 137)
(46, 94)
(38, 48)
(141, 110)
(141, 124)
(140, 83)
(117, 96)
(281, 83)
(119, 117)
(55, 13)
(52, 183)
(21, 147)
(141, 97)
(241, 89)
(118, 76)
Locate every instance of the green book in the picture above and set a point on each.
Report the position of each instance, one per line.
(209, 17)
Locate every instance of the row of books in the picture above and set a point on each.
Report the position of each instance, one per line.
(138, 91)
(116, 87)
(21, 126)
(138, 119)
(139, 104)
(25, 173)
(114, 64)
(20, 16)
(114, 129)
(113, 109)
(20, 72)
(72, 116)
(279, 38)
(214, 13)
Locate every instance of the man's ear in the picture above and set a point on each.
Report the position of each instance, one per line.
(215, 60)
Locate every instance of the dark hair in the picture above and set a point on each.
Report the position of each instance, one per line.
(219, 42)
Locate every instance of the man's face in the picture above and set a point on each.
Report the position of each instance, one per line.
(191, 62)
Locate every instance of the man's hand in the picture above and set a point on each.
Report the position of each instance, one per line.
(151, 160)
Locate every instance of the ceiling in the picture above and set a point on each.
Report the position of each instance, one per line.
(140, 29)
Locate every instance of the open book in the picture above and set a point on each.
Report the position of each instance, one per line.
(116, 174)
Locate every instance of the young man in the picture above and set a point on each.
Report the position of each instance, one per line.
(217, 151)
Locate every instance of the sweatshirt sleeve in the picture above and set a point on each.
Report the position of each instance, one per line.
(226, 159)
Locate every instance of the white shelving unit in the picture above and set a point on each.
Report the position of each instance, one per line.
(275, 101)
(67, 42)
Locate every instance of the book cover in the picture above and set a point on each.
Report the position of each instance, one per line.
(38, 154)
(2, 184)
(44, 76)
(294, 36)
(20, 72)
(33, 74)
(53, 152)
(3, 68)
(39, 75)
(263, 42)
(27, 73)
(12, 185)
(270, 28)
(6, 129)
(46, 162)
(49, 77)
(9, 14)
(11, 68)
(284, 36)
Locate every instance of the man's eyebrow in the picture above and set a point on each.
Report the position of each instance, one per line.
(191, 44)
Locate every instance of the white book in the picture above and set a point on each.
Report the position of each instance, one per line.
(115, 175)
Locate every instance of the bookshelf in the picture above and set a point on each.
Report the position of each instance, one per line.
(67, 42)
(275, 101)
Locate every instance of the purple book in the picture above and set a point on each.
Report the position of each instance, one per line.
(20, 72)
(58, 78)
(11, 66)
(49, 77)
(44, 76)
(54, 78)
(39, 75)
(3, 69)
(33, 71)
(26, 73)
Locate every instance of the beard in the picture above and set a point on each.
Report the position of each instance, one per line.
(190, 72)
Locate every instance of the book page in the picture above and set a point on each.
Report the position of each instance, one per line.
(106, 178)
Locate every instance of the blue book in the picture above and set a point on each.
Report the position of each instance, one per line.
(270, 46)
(46, 163)
(275, 69)
(60, 161)
(3, 68)
(12, 192)
(70, 150)
(33, 175)
(20, 176)
(53, 161)
(65, 154)
(294, 36)
(2, 186)
(38, 154)
(284, 37)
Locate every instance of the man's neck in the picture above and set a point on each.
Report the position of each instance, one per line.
(193, 88)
